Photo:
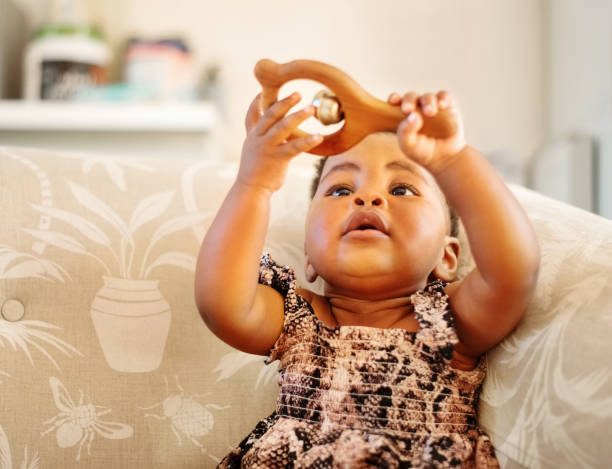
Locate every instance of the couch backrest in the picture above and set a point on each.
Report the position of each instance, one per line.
(105, 362)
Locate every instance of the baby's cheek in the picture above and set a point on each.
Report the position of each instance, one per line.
(423, 242)
(322, 226)
(316, 236)
(317, 241)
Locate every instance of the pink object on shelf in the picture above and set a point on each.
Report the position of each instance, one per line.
(164, 67)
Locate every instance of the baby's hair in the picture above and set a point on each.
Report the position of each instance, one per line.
(314, 185)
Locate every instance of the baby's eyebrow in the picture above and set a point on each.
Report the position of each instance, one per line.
(407, 166)
(398, 164)
(341, 167)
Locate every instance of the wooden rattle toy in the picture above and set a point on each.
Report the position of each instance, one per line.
(362, 113)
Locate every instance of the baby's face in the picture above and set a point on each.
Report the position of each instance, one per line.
(377, 223)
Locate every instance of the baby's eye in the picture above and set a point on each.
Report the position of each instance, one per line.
(403, 189)
(339, 191)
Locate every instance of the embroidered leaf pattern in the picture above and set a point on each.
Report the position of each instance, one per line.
(173, 258)
(30, 333)
(149, 208)
(84, 226)
(99, 207)
(14, 264)
(177, 224)
(59, 240)
(6, 460)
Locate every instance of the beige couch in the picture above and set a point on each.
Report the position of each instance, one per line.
(105, 362)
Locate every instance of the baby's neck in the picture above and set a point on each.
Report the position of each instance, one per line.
(384, 314)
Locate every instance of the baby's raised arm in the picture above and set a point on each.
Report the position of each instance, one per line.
(235, 307)
(490, 300)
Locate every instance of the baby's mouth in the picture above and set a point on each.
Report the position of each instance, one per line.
(365, 220)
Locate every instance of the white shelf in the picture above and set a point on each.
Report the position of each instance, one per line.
(54, 116)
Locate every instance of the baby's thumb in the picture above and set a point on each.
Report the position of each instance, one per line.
(408, 129)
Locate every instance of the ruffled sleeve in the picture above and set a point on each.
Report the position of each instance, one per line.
(437, 331)
(282, 279)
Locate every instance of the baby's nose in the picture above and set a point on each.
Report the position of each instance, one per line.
(369, 199)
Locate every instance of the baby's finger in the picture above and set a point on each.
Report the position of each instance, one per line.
(281, 131)
(409, 102)
(394, 98)
(253, 114)
(445, 99)
(410, 125)
(299, 145)
(276, 112)
(429, 104)
(407, 132)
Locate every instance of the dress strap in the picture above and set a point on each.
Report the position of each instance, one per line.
(437, 330)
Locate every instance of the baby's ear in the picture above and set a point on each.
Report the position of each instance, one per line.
(311, 273)
(449, 262)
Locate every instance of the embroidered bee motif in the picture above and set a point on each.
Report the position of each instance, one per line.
(80, 423)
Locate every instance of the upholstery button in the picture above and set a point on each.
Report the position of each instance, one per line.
(13, 310)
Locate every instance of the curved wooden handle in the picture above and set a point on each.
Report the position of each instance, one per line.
(363, 113)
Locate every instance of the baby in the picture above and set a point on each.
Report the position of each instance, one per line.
(383, 369)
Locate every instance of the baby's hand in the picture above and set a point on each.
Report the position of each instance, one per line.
(268, 147)
(435, 154)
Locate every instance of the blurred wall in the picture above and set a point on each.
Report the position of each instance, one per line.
(579, 95)
(489, 53)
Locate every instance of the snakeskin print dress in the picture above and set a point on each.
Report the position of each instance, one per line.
(364, 397)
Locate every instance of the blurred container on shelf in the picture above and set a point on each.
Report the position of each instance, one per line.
(64, 55)
(62, 60)
(162, 69)
(13, 37)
